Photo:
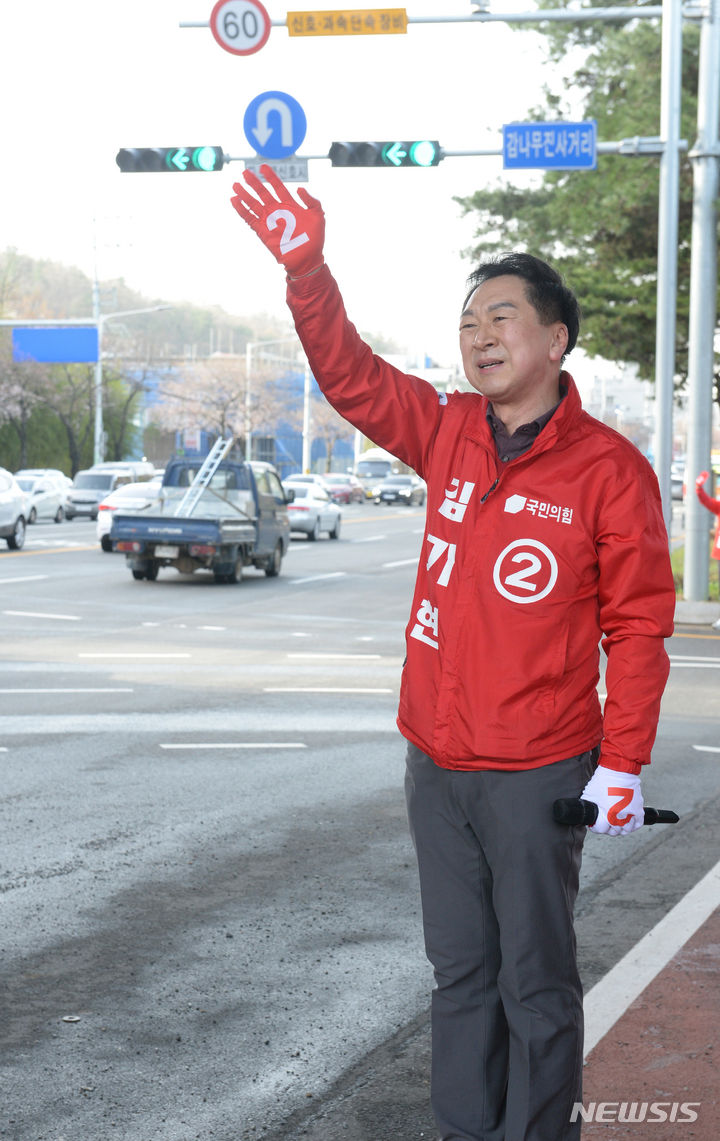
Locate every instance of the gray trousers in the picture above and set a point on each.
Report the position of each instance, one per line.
(498, 881)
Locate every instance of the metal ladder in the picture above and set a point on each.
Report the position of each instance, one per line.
(211, 463)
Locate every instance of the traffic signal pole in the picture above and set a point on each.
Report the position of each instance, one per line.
(705, 157)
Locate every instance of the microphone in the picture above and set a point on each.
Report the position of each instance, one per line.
(572, 810)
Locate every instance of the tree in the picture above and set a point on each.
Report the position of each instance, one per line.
(70, 395)
(601, 228)
(211, 394)
(19, 387)
(329, 426)
(123, 390)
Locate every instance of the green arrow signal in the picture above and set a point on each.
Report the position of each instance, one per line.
(394, 153)
(178, 159)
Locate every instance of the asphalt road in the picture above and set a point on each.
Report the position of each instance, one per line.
(210, 916)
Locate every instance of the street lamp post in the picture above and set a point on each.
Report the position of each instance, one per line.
(99, 320)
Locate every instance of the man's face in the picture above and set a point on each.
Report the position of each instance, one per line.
(507, 354)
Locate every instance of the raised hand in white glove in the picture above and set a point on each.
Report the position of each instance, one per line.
(619, 800)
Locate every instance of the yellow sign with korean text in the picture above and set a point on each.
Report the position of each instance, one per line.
(350, 22)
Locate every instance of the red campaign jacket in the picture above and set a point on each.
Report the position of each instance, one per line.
(524, 568)
(714, 506)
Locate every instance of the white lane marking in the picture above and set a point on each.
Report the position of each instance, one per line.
(25, 578)
(63, 544)
(369, 539)
(236, 745)
(61, 689)
(38, 614)
(112, 654)
(707, 748)
(321, 689)
(689, 658)
(608, 1000)
(318, 577)
(400, 563)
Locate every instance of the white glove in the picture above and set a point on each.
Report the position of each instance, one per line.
(619, 800)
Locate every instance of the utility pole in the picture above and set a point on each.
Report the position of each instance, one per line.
(705, 158)
(99, 434)
(99, 319)
(668, 211)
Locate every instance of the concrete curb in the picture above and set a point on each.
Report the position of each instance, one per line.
(696, 613)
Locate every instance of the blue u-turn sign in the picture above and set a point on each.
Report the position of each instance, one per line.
(274, 124)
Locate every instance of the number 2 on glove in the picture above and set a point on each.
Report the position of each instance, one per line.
(287, 241)
(613, 813)
(292, 230)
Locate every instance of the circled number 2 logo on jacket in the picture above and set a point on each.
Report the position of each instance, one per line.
(525, 571)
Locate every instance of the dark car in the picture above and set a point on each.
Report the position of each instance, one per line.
(344, 488)
(400, 489)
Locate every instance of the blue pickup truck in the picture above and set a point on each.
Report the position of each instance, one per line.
(239, 520)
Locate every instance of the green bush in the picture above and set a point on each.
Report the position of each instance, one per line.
(677, 561)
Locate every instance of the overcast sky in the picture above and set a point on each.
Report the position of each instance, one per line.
(82, 78)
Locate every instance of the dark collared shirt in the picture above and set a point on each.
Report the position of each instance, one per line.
(510, 447)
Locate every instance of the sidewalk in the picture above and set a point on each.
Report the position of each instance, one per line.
(696, 613)
(664, 1049)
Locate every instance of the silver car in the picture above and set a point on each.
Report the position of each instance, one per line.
(313, 511)
(44, 497)
(92, 485)
(12, 511)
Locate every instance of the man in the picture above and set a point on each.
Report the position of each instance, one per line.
(544, 535)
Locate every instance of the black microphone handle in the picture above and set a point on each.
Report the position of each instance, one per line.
(661, 816)
(572, 810)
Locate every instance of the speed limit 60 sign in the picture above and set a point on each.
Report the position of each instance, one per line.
(240, 26)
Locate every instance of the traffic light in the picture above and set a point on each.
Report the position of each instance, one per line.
(173, 159)
(421, 152)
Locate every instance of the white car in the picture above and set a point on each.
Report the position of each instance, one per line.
(44, 497)
(300, 480)
(12, 511)
(312, 510)
(130, 499)
(53, 473)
